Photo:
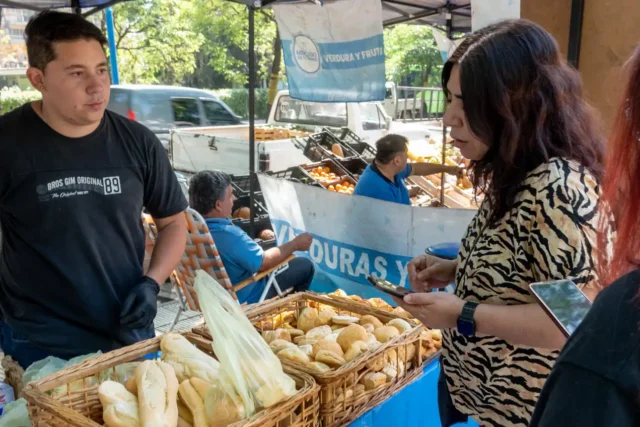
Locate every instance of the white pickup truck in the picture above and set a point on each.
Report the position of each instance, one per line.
(226, 148)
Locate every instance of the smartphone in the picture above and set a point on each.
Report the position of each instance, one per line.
(564, 302)
(388, 287)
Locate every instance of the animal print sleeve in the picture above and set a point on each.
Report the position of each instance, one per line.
(562, 232)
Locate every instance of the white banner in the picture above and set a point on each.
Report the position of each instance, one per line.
(334, 52)
(485, 13)
(357, 236)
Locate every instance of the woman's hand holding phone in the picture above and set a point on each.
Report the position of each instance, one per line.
(428, 272)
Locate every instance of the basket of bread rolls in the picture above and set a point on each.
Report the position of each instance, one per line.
(360, 355)
(175, 381)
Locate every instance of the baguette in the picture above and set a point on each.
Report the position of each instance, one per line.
(184, 423)
(194, 402)
(120, 408)
(200, 386)
(187, 360)
(131, 385)
(184, 413)
(157, 394)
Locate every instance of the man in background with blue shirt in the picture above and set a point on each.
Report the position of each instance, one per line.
(211, 194)
(384, 178)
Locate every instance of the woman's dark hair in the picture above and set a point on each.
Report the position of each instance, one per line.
(49, 27)
(389, 146)
(522, 99)
(206, 188)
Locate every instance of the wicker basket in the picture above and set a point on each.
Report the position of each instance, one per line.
(82, 407)
(341, 400)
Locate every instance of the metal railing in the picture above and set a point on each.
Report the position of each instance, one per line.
(419, 103)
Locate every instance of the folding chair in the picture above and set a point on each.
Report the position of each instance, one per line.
(201, 254)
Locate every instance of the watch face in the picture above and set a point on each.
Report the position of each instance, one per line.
(466, 327)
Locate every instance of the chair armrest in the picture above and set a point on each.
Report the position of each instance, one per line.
(260, 275)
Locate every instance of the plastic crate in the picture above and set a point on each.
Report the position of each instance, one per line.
(241, 184)
(333, 167)
(355, 166)
(318, 147)
(354, 142)
(296, 174)
(260, 211)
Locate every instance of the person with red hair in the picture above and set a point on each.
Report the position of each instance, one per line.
(596, 379)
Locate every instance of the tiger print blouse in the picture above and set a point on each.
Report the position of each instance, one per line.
(549, 234)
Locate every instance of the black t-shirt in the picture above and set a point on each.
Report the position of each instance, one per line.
(596, 380)
(72, 235)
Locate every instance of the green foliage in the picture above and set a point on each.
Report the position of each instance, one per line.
(12, 98)
(238, 101)
(156, 41)
(412, 50)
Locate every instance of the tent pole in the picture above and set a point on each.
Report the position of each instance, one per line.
(252, 124)
(113, 55)
(444, 128)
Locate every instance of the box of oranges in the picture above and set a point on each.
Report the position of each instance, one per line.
(326, 172)
(346, 186)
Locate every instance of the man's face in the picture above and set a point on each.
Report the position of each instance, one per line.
(77, 83)
(225, 206)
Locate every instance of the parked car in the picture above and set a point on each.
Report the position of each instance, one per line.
(162, 108)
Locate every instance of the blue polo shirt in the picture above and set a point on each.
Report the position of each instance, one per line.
(241, 256)
(374, 184)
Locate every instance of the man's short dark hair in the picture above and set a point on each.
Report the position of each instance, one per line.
(389, 147)
(206, 188)
(49, 27)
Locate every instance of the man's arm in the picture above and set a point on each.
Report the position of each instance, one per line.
(275, 256)
(424, 169)
(169, 246)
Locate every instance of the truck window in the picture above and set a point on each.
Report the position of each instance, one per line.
(185, 112)
(370, 117)
(119, 102)
(215, 114)
(294, 111)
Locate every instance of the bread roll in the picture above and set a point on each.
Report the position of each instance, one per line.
(275, 391)
(157, 394)
(278, 334)
(184, 413)
(131, 386)
(201, 386)
(351, 334)
(294, 354)
(373, 380)
(194, 403)
(319, 367)
(369, 328)
(357, 348)
(330, 358)
(385, 333)
(372, 320)
(401, 325)
(319, 332)
(344, 320)
(327, 345)
(279, 345)
(187, 360)
(222, 409)
(307, 319)
(184, 423)
(120, 408)
(307, 349)
(325, 316)
(295, 332)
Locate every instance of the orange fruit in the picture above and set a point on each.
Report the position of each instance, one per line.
(327, 170)
(331, 188)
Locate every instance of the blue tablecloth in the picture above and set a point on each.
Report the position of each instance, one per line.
(413, 406)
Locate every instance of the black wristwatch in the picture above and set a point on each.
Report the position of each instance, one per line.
(466, 324)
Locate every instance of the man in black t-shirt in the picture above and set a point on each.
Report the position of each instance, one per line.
(74, 180)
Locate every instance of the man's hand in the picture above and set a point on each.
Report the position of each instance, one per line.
(140, 307)
(427, 272)
(437, 310)
(303, 242)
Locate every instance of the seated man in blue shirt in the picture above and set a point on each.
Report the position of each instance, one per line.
(211, 194)
(384, 178)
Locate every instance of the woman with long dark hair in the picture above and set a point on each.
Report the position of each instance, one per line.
(516, 111)
(596, 379)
